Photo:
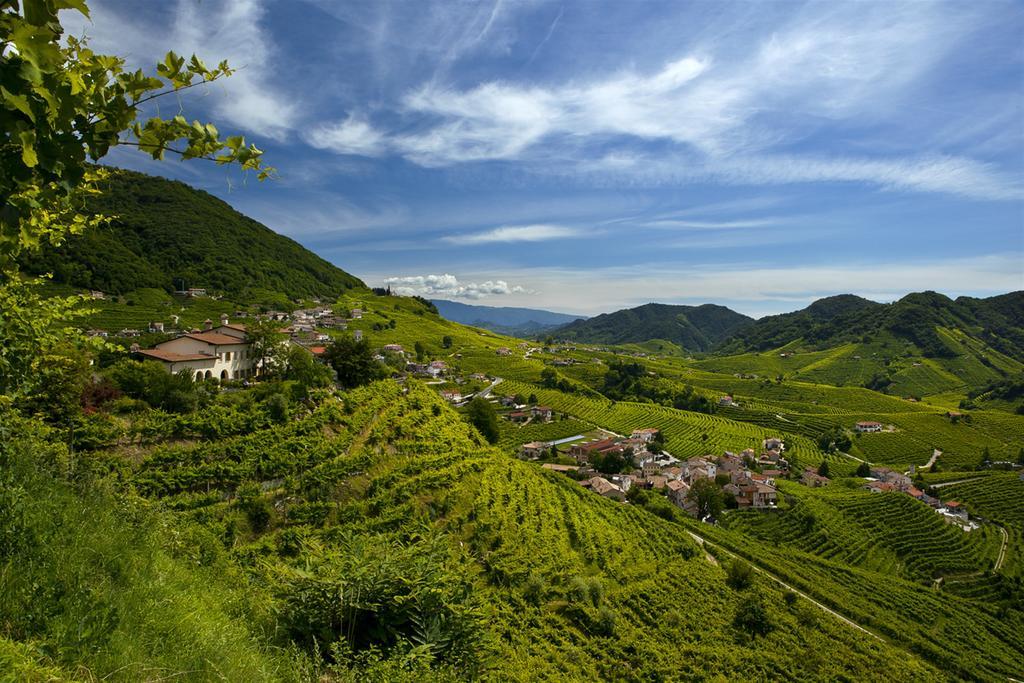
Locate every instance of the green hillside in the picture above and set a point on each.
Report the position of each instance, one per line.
(165, 234)
(695, 328)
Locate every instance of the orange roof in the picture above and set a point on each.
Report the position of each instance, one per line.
(171, 357)
(317, 350)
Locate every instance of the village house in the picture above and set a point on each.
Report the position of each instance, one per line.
(699, 468)
(603, 487)
(451, 395)
(726, 402)
(897, 479)
(773, 444)
(211, 354)
(518, 416)
(657, 482)
(677, 492)
(952, 508)
(650, 468)
(503, 351)
(582, 452)
(729, 463)
(542, 413)
(534, 450)
(813, 479)
(645, 434)
(356, 314)
(393, 348)
(880, 487)
(868, 426)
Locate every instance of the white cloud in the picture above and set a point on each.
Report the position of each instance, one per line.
(215, 31)
(449, 286)
(757, 289)
(515, 233)
(351, 136)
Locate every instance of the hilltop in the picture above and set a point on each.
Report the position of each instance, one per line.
(999, 321)
(694, 328)
(166, 234)
(521, 322)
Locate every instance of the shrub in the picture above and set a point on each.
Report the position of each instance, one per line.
(739, 574)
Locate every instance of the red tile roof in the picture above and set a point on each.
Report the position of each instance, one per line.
(215, 338)
(171, 357)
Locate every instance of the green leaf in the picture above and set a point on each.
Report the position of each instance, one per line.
(19, 102)
(28, 148)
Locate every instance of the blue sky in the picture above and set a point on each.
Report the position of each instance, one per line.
(588, 156)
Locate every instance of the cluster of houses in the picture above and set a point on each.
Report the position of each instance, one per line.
(661, 471)
(524, 414)
(885, 480)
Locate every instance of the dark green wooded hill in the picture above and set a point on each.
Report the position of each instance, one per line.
(917, 318)
(164, 230)
(695, 328)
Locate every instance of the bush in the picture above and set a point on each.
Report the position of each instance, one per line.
(753, 618)
(739, 574)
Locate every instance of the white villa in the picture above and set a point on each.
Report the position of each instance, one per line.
(219, 353)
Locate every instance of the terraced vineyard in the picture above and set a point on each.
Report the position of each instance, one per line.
(964, 639)
(890, 533)
(685, 431)
(513, 435)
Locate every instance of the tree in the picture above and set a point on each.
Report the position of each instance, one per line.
(446, 342)
(863, 470)
(65, 106)
(823, 469)
(532, 400)
(481, 415)
(739, 575)
(300, 366)
(707, 497)
(268, 345)
(353, 362)
(420, 350)
(1020, 457)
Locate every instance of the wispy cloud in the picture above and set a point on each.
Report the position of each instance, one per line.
(229, 29)
(713, 225)
(515, 233)
(449, 286)
(728, 117)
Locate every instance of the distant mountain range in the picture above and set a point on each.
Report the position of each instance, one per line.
(166, 235)
(519, 322)
(695, 328)
(916, 318)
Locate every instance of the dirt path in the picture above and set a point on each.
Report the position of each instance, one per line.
(702, 541)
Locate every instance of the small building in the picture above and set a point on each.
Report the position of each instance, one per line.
(534, 450)
(953, 508)
(451, 395)
(503, 351)
(542, 413)
(356, 314)
(880, 487)
(603, 487)
(726, 401)
(645, 434)
(813, 479)
(564, 469)
(868, 426)
(677, 492)
(156, 327)
(773, 444)
(518, 416)
(393, 348)
(195, 292)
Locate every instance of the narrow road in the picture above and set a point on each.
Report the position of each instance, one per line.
(931, 461)
(487, 392)
(1002, 550)
(958, 481)
(702, 541)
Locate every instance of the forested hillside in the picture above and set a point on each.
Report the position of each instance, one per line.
(694, 328)
(165, 234)
(997, 321)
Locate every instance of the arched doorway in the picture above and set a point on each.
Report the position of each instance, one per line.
(209, 375)
(224, 375)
